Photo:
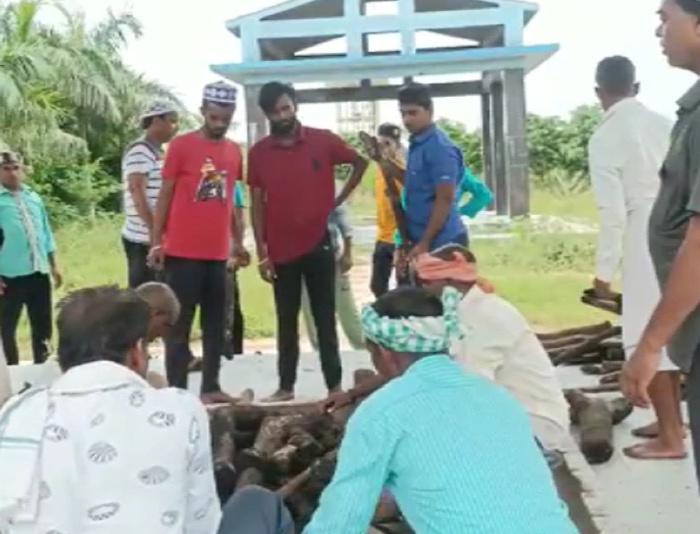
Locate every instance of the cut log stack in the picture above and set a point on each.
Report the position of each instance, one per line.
(287, 448)
(597, 348)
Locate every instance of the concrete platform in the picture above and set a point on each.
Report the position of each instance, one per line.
(641, 497)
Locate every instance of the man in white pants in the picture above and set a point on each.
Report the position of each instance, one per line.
(625, 155)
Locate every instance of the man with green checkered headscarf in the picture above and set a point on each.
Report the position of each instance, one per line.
(447, 445)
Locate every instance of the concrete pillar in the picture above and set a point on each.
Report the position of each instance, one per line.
(516, 150)
(487, 139)
(256, 120)
(500, 162)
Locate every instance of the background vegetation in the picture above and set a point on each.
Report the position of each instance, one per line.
(69, 104)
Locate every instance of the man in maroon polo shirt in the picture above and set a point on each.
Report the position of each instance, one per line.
(291, 174)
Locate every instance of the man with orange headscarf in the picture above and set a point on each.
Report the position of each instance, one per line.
(500, 344)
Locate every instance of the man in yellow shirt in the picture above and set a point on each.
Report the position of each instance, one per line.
(389, 137)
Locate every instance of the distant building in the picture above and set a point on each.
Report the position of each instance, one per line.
(355, 117)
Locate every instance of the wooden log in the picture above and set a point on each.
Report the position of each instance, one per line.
(590, 358)
(592, 344)
(612, 378)
(249, 417)
(607, 388)
(563, 342)
(595, 422)
(620, 409)
(223, 451)
(612, 367)
(592, 369)
(295, 484)
(602, 304)
(582, 330)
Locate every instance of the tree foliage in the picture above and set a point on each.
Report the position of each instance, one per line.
(68, 103)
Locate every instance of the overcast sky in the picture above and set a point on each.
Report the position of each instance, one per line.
(181, 40)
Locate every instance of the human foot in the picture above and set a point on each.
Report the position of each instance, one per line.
(655, 449)
(279, 396)
(651, 431)
(217, 397)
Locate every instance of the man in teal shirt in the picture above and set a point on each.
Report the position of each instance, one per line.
(456, 451)
(27, 257)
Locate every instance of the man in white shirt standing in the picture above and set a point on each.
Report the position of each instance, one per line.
(142, 181)
(626, 153)
(100, 450)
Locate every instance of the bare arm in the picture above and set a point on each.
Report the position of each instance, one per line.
(444, 199)
(137, 189)
(238, 226)
(358, 171)
(681, 296)
(258, 221)
(160, 217)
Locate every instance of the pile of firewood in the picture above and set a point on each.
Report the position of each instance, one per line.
(290, 449)
(597, 349)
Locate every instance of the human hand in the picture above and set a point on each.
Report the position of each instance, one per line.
(267, 271)
(345, 262)
(418, 250)
(3, 287)
(336, 401)
(637, 375)
(602, 289)
(57, 277)
(371, 146)
(156, 258)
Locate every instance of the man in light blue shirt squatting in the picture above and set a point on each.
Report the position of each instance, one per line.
(455, 451)
(27, 258)
(434, 171)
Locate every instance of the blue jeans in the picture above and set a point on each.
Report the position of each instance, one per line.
(255, 510)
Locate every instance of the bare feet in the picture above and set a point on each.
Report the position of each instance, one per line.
(655, 449)
(279, 396)
(651, 431)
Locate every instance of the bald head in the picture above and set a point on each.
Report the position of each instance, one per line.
(164, 305)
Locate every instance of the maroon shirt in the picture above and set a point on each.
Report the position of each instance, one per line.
(299, 187)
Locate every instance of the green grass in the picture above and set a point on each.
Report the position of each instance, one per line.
(543, 275)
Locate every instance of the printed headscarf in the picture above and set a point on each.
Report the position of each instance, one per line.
(416, 334)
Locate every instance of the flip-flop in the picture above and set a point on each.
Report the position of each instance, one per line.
(637, 452)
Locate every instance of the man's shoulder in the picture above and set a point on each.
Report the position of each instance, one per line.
(497, 312)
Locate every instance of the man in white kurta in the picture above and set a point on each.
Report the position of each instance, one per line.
(100, 451)
(626, 153)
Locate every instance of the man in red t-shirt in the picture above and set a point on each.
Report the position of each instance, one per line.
(193, 226)
(291, 174)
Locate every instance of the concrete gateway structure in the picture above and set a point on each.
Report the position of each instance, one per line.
(486, 49)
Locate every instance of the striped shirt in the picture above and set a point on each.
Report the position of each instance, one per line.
(146, 158)
(457, 453)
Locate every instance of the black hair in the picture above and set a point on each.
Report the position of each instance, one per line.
(390, 130)
(100, 323)
(447, 253)
(271, 92)
(408, 302)
(690, 6)
(416, 94)
(616, 75)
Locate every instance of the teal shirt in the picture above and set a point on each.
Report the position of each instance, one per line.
(456, 451)
(15, 254)
(239, 196)
(481, 195)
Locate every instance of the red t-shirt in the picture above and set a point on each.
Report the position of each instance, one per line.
(299, 186)
(205, 172)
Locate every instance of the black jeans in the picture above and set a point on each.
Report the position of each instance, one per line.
(34, 292)
(318, 271)
(196, 283)
(235, 323)
(136, 257)
(382, 267)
